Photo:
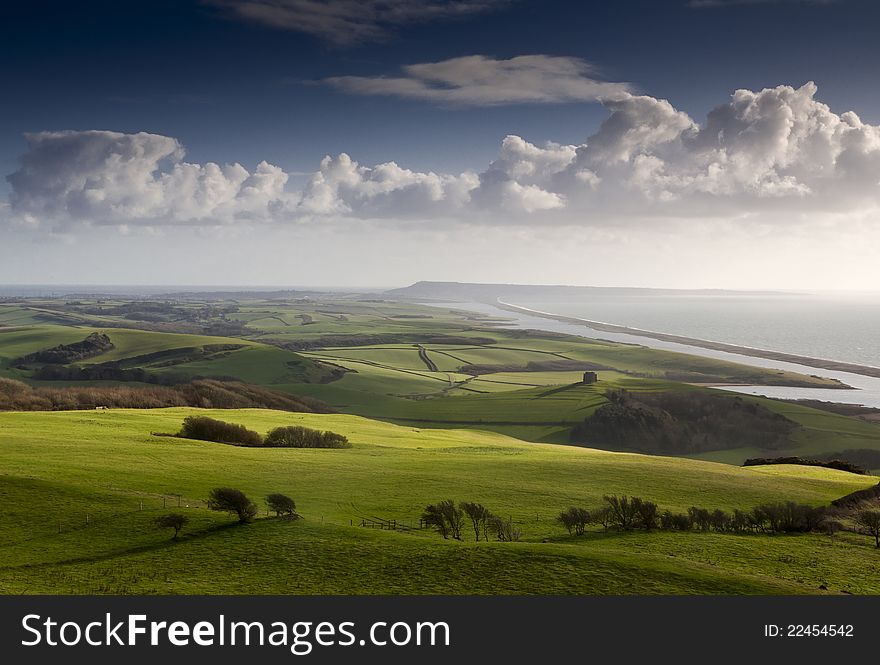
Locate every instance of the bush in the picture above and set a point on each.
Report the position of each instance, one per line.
(281, 504)
(833, 462)
(789, 517)
(623, 511)
(504, 529)
(869, 521)
(233, 501)
(575, 520)
(295, 436)
(479, 516)
(675, 521)
(647, 514)
(209, 429)
(445, 517)
(174, 521)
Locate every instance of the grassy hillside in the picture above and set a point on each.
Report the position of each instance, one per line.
(81, 489)
(399, 362)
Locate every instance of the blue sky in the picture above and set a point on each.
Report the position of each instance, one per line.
(232, 89)
(236, 91)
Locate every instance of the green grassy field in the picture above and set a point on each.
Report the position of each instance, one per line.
(397, 369)
(81, 489)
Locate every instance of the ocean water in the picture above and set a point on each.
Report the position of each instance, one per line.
(864, 390)
(838, 327)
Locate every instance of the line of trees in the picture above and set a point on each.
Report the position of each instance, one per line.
(235, 502)
(200, 393)
(204, 428)
(450, 519)
(626, 513)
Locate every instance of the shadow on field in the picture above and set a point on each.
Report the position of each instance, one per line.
(152, 547)
(560, 389)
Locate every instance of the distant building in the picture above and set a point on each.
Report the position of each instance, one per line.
(590, 377)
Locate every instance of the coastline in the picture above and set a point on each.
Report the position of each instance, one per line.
(818, 363)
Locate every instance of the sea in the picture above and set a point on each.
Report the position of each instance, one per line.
(840, 326)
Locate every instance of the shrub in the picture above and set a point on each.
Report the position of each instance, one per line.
(281, 504)
(504, 529)
(700, 518)
(789, 517)
(209, 429)
(445, 517)
(174, 521)
(295, 436)
(575, 520)
(479, 516)
(647, 515)
(869, 520)
(233, 501)
(675, 521)
(623, 511)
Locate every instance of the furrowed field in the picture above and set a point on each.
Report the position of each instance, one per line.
(80, 491)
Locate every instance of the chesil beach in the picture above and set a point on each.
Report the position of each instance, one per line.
(834, 337)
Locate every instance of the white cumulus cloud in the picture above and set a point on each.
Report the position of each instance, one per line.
(777, 152)
(342, 187)
(104, 177)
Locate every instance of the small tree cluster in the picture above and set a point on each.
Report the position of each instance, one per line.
(626, 513)
(209, 429)
(449, 518)
(295, 436)
(782, 517)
